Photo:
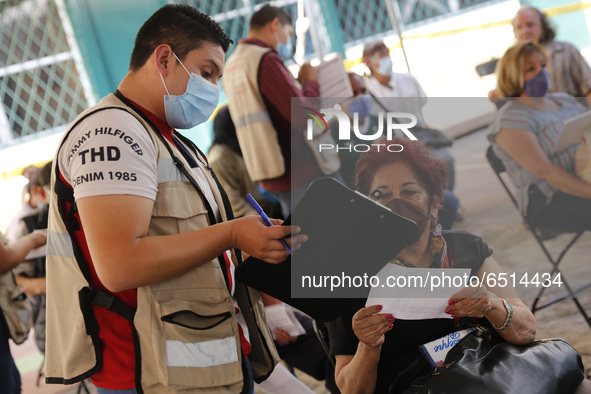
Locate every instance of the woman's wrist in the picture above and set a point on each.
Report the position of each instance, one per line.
(509, 309)
(496, 306)
(370, 348)
(499, 315)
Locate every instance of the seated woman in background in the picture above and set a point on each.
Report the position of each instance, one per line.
(370, 347)
(523, 136)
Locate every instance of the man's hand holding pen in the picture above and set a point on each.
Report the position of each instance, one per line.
(264, 242)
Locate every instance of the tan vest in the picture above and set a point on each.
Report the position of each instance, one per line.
(187, 327)
(255, 131)
(14, 304)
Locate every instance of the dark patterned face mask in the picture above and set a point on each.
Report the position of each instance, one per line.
(410, 211)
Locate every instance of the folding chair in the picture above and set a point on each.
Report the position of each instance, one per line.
(498, 167)
(321, 330)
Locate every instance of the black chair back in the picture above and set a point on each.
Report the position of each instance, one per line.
(498, 167)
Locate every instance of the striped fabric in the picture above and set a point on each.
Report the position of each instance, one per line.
(569, 70)
(547, 127)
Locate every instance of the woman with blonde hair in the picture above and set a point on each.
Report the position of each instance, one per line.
(524, 134)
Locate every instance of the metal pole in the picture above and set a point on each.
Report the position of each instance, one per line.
(394, 19)
(302, 26)
(314, 28)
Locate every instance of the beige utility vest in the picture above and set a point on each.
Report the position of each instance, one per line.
(257, 135)
(187, 329)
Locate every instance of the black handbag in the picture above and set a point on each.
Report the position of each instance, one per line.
(484, 363)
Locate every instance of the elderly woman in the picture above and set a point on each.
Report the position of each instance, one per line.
(524, 134)
(372, 348)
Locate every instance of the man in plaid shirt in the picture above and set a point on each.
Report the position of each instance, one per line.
(270, 35)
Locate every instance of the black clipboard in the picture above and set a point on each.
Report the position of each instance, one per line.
(348, 232)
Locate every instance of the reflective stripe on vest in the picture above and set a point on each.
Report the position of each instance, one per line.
(59, 244)
(168, 172)
(201, 354)
(252, 118)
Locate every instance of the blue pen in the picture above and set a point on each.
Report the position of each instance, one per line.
(260, 211)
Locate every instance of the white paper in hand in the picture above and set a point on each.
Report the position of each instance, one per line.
(416, 293)
(36, 253)
(283, 317)
(573, 131)
(333, 79)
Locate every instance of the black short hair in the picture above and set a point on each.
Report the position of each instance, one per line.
(266, 15)
(45, 174)
(224, 131)
(183, 27)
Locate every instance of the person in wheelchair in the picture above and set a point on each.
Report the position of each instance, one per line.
(523, 136)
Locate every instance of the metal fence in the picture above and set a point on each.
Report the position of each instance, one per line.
(41, 89)
(43, 83)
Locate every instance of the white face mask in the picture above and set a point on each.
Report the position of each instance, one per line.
(284, 49)
(193, 107)
(385, 66)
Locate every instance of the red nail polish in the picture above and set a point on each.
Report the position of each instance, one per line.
(379, 307)
(450, 302)
(391, 325)
(448, 310)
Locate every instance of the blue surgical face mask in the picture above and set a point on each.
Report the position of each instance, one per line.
(385, 66)
(285, 51)
(361, 105)
(539, 85)
(195, 106)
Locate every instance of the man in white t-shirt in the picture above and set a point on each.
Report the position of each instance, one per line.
(152, 231)
(401, 92)
(385, 84)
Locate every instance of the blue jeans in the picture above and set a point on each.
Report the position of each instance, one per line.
(445, 156)
(108, 391)
(10, 378)
(248, 386)
(449, 210)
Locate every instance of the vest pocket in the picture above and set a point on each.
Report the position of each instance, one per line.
(194, 321)
(177, 209)
(201, 343)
